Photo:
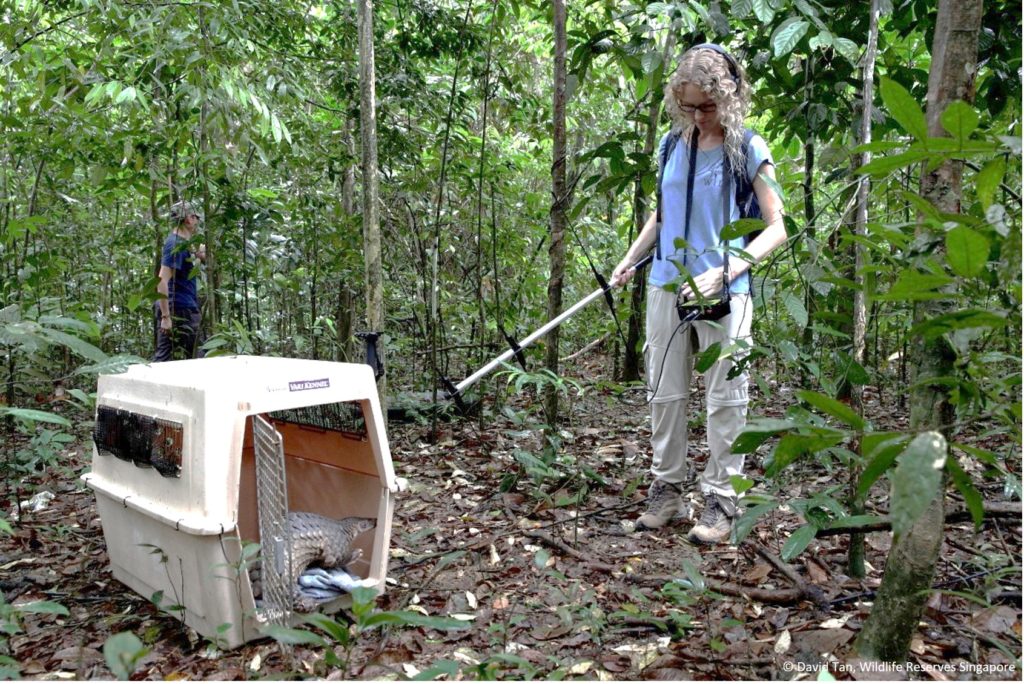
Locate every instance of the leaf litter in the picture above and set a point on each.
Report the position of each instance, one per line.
(583, 597)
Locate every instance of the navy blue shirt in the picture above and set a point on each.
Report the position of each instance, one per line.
(181, 291)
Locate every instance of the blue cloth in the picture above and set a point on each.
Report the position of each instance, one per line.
(181, 292)
(322, 585)
(706, 220)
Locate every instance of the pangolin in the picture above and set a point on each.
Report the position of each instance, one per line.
(321, 541)
(324, 541)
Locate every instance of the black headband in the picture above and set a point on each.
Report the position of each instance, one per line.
(734, 67)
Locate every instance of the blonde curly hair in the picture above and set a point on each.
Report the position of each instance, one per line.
(709, 70)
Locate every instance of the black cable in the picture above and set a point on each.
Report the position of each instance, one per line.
(661, 371)
(690, 317)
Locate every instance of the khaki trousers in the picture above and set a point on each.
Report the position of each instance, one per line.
(669, 353)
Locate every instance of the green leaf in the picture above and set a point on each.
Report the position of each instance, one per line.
(275, 125)
(822, 40)
(650, 61)
(917, 479)
(798, 541)
(33, 414)
(111, 366)
(848, 49)
(75, 344)
(745, 523)
(960, 120)
(708, 357)
(853, 521)
(122, 653)
(847, 367)
(913, 285)
(126, 95)
(881, 166)
(988, 179)
(757, 432)
(740, 484)
(748, 442)
(791, 447)
(337, 631)
(43, 608)
(292, 636)
(411, 618)
(882, 457)
(904, 107)
(764, 10)
(966, 251)
(970, 493)
(832, 407)
(437, 669)
(933, 328)
(742, 227)
(987, 457)
(788, 34)
(795, 306)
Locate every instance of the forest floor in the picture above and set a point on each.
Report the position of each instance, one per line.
(554, 582)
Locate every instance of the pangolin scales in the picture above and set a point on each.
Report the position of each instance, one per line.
(324, 541)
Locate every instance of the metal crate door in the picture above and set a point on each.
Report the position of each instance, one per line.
(275, 537)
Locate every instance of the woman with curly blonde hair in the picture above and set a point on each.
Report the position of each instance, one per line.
(699, 286)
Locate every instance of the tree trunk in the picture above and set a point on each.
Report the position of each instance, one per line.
(910, 567)
(212, 242)
(556, 248)
(855, 558)
(631, 360)
(434, 325)
(371, 212)
(480, 256)
(810, 216)
(346, 297)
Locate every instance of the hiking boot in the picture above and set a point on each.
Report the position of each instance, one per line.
(714, 526)
(664, 500)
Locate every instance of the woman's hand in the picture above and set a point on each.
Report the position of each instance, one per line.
(622, 273)
(709, 284)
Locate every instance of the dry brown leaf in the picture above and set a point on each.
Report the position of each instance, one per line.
(71, 656)
(757, 573)
(616, 663)
(821, 641)
(816, 571)
(997, 619)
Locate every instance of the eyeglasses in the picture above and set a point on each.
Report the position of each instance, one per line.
(706, 108)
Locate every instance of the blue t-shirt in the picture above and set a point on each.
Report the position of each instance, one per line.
(706, 220)
(181, 291)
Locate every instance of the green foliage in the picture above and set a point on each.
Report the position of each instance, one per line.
(365, 619)
(10, 624)
(122, 653)
(917, 479)
(112, 111)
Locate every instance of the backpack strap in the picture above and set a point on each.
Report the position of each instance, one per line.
(746, 202)
(691, 173)
(668, 145)
(728, 174)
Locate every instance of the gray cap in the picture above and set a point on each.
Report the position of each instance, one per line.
(182, 210)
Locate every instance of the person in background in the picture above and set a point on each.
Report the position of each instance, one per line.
(707, 99)
(178, 319)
